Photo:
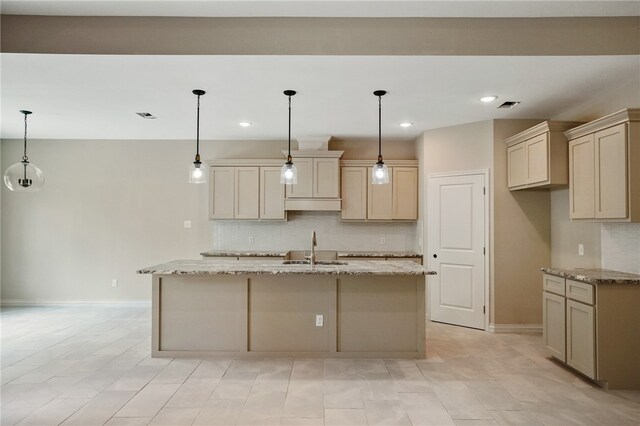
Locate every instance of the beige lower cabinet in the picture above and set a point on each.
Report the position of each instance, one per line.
(604, 166)
(594, 329)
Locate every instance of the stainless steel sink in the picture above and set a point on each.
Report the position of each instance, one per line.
(319, 262)
(304, 254)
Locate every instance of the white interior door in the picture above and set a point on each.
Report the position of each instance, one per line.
(455, 248)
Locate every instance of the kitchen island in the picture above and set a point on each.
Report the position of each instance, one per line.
(355, 309)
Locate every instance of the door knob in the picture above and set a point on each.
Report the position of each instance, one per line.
(435, 256)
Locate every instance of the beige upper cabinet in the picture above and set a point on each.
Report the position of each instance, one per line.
(318, 186)
(222, 192)
(537, 157)
(304, 187)
(604, 161)
(246, 192)
(405, 193)
(362, 200)
(354, 193)
(271, 194)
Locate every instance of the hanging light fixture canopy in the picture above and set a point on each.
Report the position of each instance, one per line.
(24, 176)
(197, 172)
(288, 172)
(379, 172)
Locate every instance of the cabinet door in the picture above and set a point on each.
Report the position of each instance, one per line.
(304, 187)
(271, 194)
(405, 193)
(537, 155)
(581, 348)
(517, 165)
(553, 325)
(326, 178)
(582, 178)
(246, 192)
(380, 198)
(221, 188)
(611, 173)
(354, 193)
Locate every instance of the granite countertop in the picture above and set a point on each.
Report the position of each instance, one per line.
(371, 254)
(238, 253)
(594, 276)
(375, 254)
(356, 267)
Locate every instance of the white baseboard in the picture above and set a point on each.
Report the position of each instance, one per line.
(98, 302)
(515, 328)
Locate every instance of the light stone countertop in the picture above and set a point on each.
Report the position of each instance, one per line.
(356, 267)
(240, 253)
(371, 254)
(594, 276)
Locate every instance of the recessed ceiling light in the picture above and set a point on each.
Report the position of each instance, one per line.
(487, 99)
(406, 124)
(245, 124)
(147, 115)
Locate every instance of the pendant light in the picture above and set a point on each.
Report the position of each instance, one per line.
(288, 172)
(379, 172)
(197, 172)
(24, 176)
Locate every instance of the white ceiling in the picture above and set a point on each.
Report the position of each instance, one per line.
(311, 8)
(96, 97)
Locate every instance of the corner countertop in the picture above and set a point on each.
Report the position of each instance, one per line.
(356, 267)
(371, 254)
(594, 276)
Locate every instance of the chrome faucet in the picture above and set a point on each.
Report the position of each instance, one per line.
(314, 243)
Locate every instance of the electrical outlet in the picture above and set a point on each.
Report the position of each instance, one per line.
(581, 249)
(382, 241)
(319, 320)
(187, 224)
(251, 240)
(114, 283)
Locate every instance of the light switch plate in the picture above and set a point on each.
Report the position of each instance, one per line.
(581, 249)
(187, 224)
(319, 320)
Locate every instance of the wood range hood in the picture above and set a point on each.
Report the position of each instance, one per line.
(318, 187)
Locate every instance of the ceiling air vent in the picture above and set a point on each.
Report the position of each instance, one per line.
(147, 115)
(509, 104)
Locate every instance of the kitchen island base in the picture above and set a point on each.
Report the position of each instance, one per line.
(261, 315)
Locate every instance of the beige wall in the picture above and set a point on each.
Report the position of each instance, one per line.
(109, 207)
(567, 234)
(521, 238)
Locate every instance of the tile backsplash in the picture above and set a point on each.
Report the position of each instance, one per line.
(332, 234)
(621, 247)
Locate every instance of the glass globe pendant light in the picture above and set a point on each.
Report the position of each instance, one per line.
(197, 171)
(24, 176)
(288, 172)
(379, 172)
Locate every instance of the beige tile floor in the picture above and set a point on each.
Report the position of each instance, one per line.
(91, 366)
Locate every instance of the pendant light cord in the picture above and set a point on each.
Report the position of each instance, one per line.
(24, 157)
(379, 128)
(198, 132)
(289, 155)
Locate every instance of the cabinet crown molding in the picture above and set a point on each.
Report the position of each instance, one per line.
(313, 153)
(370, 163)
(545, 126)
(623, 116)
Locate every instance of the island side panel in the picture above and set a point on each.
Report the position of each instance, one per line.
(200, 313)
(382, 315)
(282, 313)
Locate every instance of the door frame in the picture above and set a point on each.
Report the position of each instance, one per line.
(487, 234)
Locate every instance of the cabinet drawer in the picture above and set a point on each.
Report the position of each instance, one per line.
(581, 292)
(553, 284)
